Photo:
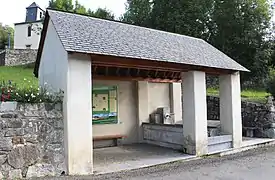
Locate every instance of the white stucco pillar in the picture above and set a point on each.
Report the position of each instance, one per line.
(175, 101)
(195, 113)
(78, 139)
(143, 106)
(230, 107)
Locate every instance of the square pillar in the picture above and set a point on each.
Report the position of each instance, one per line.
(175, 100)
(194, 113)
(230, 107)
(78, 137)
(143, 106)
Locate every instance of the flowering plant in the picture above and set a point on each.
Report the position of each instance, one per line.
(28, 93)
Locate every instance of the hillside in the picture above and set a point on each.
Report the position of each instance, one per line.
(22, 76)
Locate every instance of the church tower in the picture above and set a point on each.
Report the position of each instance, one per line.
(34, 13)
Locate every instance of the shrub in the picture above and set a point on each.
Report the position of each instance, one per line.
(27, 93)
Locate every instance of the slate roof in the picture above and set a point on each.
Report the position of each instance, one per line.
(33, 5)
(85, 34)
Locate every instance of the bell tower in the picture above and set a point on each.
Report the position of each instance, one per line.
(34, 13)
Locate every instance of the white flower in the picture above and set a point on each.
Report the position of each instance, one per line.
(17, 94)
(29, 81)
(26, 94)
(31, 86)
(25, 79)
(40, 100)
(47, 93)
(37, 94)
(38, 89)
(28, 99)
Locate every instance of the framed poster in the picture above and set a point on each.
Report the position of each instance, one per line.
(104, 101)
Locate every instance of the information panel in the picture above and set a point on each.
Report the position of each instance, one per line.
(105, 105)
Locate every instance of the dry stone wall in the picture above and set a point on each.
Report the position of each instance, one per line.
(20, 56)
(254, 115)
(31, 140)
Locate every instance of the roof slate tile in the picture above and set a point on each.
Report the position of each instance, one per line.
(96, 36)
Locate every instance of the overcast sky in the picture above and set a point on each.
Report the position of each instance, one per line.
(13, 11)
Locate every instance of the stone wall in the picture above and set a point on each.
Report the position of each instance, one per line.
(20, 56)
(254, 115)
(31, 140)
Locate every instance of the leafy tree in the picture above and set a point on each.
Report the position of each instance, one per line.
(4, 36)
(103, 14)
(78, 8)
(67, 5)
(240, 30)
(138, 12)
(188, 17)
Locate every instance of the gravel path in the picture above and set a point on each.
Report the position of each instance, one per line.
(258, 164)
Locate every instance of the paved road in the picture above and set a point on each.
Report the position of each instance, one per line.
(251, 165)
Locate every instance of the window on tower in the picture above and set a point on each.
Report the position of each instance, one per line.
(41, 14)
(29, 31)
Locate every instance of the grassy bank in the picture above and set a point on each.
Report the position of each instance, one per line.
(22, 76)
(246, 94)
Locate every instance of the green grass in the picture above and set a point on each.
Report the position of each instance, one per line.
(17, 74)
(22, 76)
(247, 94)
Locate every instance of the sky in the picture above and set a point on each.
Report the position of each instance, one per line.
(14, 11)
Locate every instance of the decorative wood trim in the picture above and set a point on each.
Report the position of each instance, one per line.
(120, 78)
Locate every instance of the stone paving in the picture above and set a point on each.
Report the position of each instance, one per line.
(134, 156)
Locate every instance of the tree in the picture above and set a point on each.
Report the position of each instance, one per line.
(188, 17)
(4, 36)
(240, 30)
(78, 8)
(67, 5)
(103, 14)
(138, 12)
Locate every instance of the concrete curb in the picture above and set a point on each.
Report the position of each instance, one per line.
(244, 148)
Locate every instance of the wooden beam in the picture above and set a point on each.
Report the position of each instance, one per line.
(113, 61)
(120, 78)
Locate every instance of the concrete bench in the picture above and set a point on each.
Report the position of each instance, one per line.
(249, 131)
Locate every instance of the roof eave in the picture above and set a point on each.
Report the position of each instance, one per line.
(41, 44)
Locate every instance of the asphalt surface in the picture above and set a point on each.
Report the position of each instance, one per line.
(257, 164)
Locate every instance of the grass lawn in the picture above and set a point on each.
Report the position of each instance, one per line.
(22, 76)
(250, 95)
(17, 74)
